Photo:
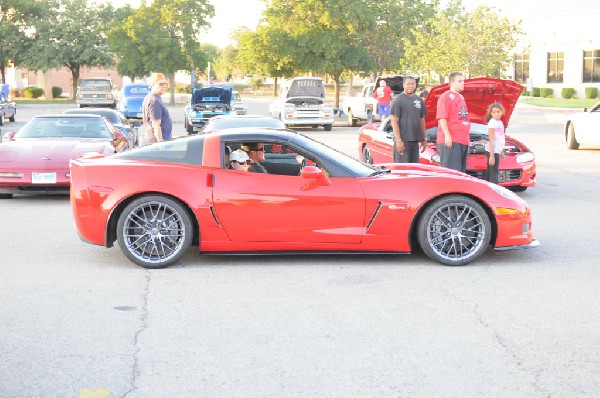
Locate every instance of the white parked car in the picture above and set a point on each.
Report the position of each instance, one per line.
(582, 128)
(301, 102)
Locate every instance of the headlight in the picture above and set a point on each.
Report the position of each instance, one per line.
(289, 108)
(328, 108)
(505, 192)
(525, 157)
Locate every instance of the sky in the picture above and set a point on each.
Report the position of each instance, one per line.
(541, 16)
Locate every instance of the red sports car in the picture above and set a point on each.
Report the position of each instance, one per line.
(158, 200)
(517, 169)
(36, 158)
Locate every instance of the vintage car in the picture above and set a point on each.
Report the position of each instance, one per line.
(95, 91)
(238, 107)
(323, 201)
(301, 102)
(582, 128)
(132, 97)
(116, 118)
(8, 109)
(224, 122)
(517, 169)
(36, 158)
(205, 103)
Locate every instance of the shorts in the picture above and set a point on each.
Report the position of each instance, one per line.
(383, 109)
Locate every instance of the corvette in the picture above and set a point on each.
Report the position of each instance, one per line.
(517, 169)
(158, 200)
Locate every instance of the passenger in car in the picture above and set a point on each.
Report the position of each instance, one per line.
(238, 160)
(256, 153)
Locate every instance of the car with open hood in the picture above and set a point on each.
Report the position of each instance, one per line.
(517, 170)
(36, 158)
(301, 102)
(205, 103)
(157, 201)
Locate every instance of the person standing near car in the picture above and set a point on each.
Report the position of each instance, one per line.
(383, 94)
(453, 125)
(157, 123)
(407, 117)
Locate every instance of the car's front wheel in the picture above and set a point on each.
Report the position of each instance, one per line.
(12, 118)
(366, 154)
(571, 140)
(327, 127)
(154, 231)
(454, 230)
(188, 126)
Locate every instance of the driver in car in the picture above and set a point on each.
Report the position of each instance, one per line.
(256, 153)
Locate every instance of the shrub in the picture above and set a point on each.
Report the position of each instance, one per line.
(33, 92)
(591, 92)
(535, 92)
(183, 88)
(567, 92)
(546, 92)
(56, 91)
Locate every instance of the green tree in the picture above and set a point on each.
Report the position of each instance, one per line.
(477, 43)
(325, 35)
(18, 19)
(165, 35)
(71, 36)
(394, 21)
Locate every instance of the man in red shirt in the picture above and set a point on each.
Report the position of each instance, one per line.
(384, 96)
(453, 125)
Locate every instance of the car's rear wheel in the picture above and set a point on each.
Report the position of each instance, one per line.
(454, 230)
(366, 154)
(154, 231)
(571, 140)
(327, 127)
(2, 119)
(351, 119)
(12, 118)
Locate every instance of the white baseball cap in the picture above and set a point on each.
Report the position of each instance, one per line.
(239, 156)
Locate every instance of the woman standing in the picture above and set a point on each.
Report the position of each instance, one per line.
(157, 124)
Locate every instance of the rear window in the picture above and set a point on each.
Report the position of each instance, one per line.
(96, 84)
(183, 150)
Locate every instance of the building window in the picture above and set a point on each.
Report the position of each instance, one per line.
(591, 66)
(521, 68)
(556, 66)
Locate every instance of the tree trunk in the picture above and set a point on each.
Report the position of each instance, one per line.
(2, 66)
(336, 95)
(172, 84)
(75, 72)
(275, 87)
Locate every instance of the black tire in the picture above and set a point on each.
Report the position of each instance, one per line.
(327, 127)
(571, 140)
(351, 119)
(366, 155)
(370, 116)
(517, 188)
(6, 195)
(454, 230)
(154, 231)
(2, 120)
(12, 118)
(188, 127)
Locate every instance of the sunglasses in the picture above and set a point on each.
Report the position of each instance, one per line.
(242, 162)
(258, 149)
(162, 84)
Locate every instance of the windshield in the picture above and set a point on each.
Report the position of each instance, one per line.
(229, 123)
(63, 127)
(96, 84)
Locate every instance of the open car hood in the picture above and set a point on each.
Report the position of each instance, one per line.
(212, 94)
(479, 93)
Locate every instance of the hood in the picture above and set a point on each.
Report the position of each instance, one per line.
(306, 87)
(39, 152)
(212, 94)
(478, 93)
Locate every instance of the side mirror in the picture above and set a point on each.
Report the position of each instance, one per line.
(313, 173)
(9, 136)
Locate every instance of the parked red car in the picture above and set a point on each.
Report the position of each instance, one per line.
(158, 200)
(517, 169)
(36, 158)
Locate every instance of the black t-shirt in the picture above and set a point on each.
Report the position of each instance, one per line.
(410, 111)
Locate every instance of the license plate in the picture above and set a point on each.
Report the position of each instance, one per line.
(43, 178)
(140, 114)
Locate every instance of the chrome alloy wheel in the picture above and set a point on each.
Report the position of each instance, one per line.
(456, 231)
(154, 232)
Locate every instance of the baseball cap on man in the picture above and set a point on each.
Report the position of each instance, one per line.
(238, 156)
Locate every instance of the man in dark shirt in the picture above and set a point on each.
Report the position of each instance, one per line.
(408, 122)
(256, 153)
